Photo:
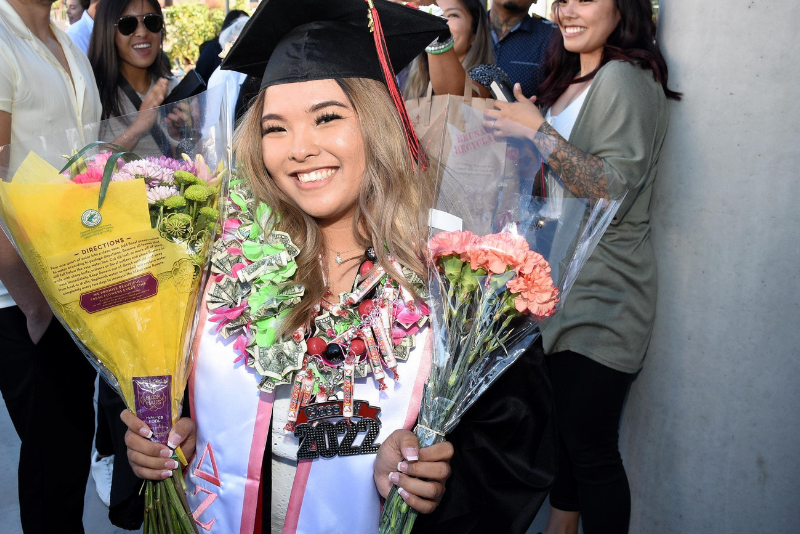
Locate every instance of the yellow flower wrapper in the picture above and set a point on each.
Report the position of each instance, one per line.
(126, 292)
(118, 242)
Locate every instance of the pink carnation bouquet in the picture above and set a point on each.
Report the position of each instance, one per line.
(493, 291)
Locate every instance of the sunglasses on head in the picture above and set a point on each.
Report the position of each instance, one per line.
(127, 25)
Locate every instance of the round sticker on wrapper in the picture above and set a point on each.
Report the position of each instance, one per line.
(91, 218)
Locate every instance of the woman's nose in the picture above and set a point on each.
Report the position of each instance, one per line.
(304, 145)
(567, 9)
(141, 31)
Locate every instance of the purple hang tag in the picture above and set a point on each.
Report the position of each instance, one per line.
(154, 404)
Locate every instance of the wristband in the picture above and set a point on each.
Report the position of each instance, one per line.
(440, 48)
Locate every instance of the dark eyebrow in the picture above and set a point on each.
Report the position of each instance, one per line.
(327, 103)
(271, 117)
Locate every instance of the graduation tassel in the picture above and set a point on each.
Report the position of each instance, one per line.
(391, 82)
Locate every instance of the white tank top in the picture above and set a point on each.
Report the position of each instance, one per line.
(565, 121)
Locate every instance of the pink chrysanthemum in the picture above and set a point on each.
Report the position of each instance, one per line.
(152, 173)
(173, 164)
(160, 192)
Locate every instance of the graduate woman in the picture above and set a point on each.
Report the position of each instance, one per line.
(325, 147)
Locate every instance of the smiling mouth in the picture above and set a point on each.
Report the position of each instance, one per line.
(574, 30)
(142, 46)
(315, 176)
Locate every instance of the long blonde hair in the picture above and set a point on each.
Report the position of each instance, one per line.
(480, 53)
(394, 192)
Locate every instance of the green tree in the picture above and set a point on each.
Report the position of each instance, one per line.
(190, 24)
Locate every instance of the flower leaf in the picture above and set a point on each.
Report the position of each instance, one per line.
(78, 155)
(111, 164)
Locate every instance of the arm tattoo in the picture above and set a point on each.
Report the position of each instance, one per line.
(582, 173)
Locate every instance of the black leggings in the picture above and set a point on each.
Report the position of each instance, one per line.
(591, 479)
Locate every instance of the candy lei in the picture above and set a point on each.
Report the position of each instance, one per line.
(367, 331)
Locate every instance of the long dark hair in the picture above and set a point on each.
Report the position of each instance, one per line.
(632, 41)
(104, 57)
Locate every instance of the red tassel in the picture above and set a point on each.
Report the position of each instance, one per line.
(391, 81)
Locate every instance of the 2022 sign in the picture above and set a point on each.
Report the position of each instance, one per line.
(320, 437)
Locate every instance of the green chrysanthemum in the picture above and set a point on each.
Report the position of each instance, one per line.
(209, 213)
(177, 224)
(174, 203)
(186, 178)
(198, 193)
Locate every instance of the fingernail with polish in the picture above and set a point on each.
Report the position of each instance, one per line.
(394, 478)
(166, 474)
(402, 467)
(174, 441)
(172, 464)
(146, 432)
(165, 453)
(411, 454)
(403, 493)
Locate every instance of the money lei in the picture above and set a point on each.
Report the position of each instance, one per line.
(253, 291)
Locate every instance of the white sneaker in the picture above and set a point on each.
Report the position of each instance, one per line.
(102, 470)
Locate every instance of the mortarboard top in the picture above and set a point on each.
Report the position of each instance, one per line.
(288, 41)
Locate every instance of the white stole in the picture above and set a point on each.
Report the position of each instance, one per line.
(329, 496)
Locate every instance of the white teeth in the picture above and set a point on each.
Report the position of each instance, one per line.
(315, 176)
(141, 45)
(573, 30)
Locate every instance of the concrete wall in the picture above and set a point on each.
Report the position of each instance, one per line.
(711, 432)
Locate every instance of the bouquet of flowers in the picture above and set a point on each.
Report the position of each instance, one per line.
(500, 261)
(118, 242)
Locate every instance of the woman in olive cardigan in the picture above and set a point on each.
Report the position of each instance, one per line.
(602, 116)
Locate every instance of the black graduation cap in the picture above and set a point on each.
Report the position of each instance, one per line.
(287, 41)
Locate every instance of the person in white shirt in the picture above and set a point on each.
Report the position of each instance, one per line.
(46, 87)
(75, 9)
(81, 31)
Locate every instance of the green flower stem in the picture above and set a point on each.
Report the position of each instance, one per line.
(180, 502)
(146, 525)
(166, 509)
(162, 525)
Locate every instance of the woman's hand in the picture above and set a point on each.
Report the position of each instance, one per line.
(419, 474)
(147, 115)
(181, 116)
(514, 119)
(151, 460)
(156, 95)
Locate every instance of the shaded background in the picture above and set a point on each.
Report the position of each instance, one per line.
(710, 434)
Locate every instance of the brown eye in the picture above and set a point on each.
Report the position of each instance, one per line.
(271, 129)
(327, 117)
